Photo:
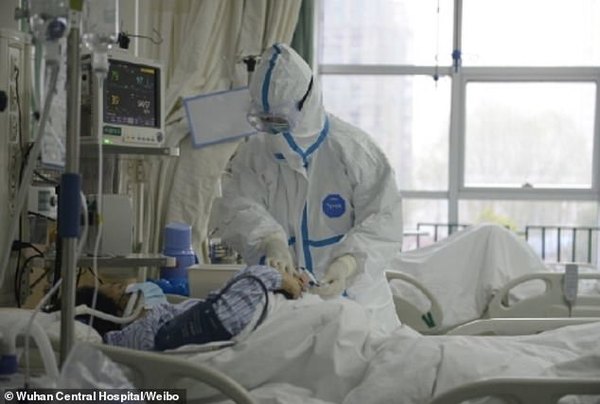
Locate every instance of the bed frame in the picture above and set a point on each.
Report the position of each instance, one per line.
(426, 323)
(548, 304)
(144, 366)
(551, 303)
(516, 326)
(521, 390)
(513, 390)
(143, 370)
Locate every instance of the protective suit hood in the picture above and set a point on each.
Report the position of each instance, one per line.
(280, 82)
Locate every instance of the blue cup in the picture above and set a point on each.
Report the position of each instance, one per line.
(178, 244)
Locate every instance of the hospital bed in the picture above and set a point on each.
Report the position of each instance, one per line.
(327, 355)
(547, 303)
(332, 340)
(144, 374)
(144, 366)
(318, 359)
(427, 316)
(485, 271)
(515, 390)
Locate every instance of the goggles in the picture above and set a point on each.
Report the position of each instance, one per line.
(282, 118)
(270, 123)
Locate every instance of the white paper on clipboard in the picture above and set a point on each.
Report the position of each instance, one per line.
(218, 117)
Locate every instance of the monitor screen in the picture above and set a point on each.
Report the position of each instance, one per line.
(132, 95)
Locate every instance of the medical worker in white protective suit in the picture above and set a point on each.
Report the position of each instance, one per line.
(313, 191)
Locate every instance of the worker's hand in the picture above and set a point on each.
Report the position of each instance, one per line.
(277, 255)
(336, 277)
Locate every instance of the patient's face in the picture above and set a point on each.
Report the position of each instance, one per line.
(114, 291)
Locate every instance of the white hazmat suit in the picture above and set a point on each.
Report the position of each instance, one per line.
(323, 188)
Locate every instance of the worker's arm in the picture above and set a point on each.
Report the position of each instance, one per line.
(377, 232)
(244, 220)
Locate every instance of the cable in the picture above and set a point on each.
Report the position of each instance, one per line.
(100, 281)
(39, 278)
(99, 220)
(41, 215)
(436, 75)
(23, 161)
(28, 173)
(83, 309)
(84, 233)
(19, 276)
(18, 99)
(16, 281)
(79, 271)
(30, 324)
(45, 179)
(19, 245)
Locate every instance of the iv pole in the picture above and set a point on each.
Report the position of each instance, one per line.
(69, 204)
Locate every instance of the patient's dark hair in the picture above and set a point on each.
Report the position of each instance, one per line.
(85, 295)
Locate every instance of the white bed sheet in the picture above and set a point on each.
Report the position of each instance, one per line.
(311, 351)
(464, 271)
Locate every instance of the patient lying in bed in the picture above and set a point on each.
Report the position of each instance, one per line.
(220, 317)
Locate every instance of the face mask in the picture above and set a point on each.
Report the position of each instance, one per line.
(153, 294)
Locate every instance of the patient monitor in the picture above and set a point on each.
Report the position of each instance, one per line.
(127, 108)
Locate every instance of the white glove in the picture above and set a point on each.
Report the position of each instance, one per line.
(336, 277)
(277, 254)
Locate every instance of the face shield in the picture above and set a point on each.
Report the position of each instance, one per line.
(280, 118)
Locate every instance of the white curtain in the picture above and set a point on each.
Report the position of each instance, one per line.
(203, 43)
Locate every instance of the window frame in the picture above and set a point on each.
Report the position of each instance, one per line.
(460, 76)
(527, 75)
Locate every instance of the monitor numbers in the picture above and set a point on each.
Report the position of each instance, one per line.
(144, 105)
(131, 96)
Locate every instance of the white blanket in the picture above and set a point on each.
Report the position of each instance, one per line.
(464, 270)
(309, 351)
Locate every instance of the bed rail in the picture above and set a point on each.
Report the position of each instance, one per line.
(549, 303)
(429, 322)
(517, 326)
(146, 366)
(573, 239)
(521, 390)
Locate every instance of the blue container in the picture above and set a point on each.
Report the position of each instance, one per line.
(178, 244)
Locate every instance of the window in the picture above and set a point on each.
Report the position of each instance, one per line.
(526, 134)
(503, 129)
(396, 111)
(383, 32)
(531, 33)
